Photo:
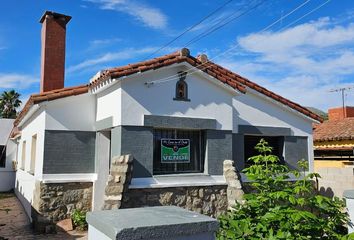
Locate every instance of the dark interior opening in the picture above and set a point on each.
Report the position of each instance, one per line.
(277, 142)
(2, 156)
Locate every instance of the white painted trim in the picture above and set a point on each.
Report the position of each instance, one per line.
(215, 81)
(110, 81)
(182, 180)
(250, 90)
(33, 109)
(66, 178)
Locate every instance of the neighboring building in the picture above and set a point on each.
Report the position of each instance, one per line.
(178, 129)
(7, 156)
(334, 139)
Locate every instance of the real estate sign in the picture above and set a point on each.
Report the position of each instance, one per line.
(175, 150)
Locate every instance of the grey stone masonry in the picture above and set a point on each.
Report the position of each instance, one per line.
(219, 148)
(53, 202)
(234, 187)
(266, 131)
(207, 200)
(151, 223)
(118, 181)
(296, 149)
(179, 122)
(69, 152)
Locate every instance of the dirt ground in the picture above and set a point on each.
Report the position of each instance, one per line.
(14, 223)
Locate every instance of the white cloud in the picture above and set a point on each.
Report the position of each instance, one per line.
(301, 63)
(109, 57)
(311, 47)
(149, 16)
(100, 42)
(15, 80)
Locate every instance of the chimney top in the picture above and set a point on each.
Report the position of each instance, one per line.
(340, 113)
(53, 36)
(52, 14)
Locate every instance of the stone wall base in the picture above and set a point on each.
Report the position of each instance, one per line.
(208, 200)
(53, 202)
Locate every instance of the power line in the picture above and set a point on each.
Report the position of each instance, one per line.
(215, 27)
(173, 77)
(342, 90)
(313, 10)
(190, 28)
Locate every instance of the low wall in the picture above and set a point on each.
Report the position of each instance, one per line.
(208, 200)
(334, 181)
(211, 200)
(53, 202)
(331, 164)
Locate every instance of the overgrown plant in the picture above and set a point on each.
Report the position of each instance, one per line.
(282, 208)
(79, 219)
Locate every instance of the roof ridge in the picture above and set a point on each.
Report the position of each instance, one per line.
(223, 74)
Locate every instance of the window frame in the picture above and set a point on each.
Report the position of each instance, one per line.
(179, 168)
(23, 155)
(280, 148)
(33, 154)
(181, 81)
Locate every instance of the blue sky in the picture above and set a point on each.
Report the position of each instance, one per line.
(301, 56)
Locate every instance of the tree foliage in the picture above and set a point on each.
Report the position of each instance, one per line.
(9, 102)
(278, 208)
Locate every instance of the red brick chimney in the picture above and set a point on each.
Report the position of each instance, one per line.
(53, 50)
(340, 113)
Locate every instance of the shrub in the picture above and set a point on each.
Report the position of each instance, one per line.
(277, 208)
(79, 219)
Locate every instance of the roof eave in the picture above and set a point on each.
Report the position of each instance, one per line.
(33, 109)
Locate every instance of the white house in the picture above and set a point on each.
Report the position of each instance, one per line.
(179, 116)
(7, 155)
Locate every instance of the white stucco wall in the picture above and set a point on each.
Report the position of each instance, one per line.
(71, 113)
(25, 182)
(24, 187)
(208, 100)
(254, 109)
(7, 174)
(109, 104)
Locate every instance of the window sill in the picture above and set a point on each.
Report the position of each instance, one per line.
(177, 180)
(182, 99)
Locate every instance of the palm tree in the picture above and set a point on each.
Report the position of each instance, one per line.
(9, 102)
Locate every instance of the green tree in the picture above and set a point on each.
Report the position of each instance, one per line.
(9, 102)
(277, 208)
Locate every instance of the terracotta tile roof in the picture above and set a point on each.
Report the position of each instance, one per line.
(49, 96)
(222, 74)
(334, 130)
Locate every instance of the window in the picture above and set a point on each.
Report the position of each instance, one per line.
(33, 154)
(194, 147)
(181, 88)
(251, 141)
(23, 158)
(2, 156)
